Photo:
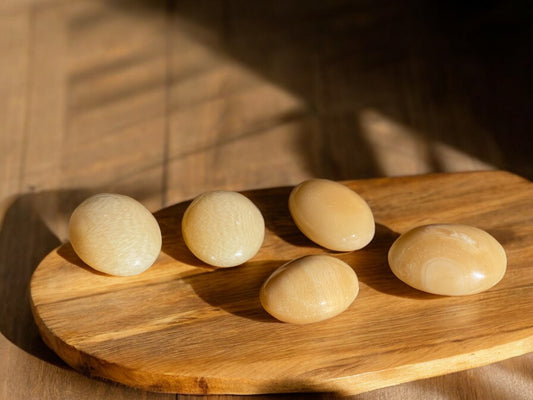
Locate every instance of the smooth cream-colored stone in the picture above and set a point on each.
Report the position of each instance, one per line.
(332, 215)
(309, 289)
(223, 228)
(448, 259)
(115, 234)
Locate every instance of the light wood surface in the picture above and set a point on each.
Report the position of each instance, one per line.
(161, 100)
(185, 327)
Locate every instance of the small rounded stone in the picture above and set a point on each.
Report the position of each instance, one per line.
(332, 215)
(223, 228)
(309, 289)
(115, 234)
(448, 259)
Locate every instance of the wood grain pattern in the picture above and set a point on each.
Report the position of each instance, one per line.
(184, 327)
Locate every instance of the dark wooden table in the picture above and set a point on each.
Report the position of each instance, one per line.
(162, 100)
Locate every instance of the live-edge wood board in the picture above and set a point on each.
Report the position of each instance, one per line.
(185, 327)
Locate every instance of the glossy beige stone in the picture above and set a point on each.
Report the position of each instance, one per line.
(309, 289)
(448, 259)
(332, 215)
(223, 228)
(115, 234)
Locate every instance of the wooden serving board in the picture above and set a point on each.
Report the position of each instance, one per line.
(184, 327)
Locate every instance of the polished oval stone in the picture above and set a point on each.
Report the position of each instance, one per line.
(309, 289)
(448, 259)
(223, 228)
(115, 234)
(332, 215)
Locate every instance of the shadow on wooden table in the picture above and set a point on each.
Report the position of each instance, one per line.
(24, 240)
(453, 73)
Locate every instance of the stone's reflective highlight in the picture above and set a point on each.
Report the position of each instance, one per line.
(309, 289)
(115, 234)
(448, 259)
(223, 228)
(332, 215)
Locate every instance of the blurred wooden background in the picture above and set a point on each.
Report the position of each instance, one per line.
(162, 100)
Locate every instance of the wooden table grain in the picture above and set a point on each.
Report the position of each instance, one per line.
(162, 100)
